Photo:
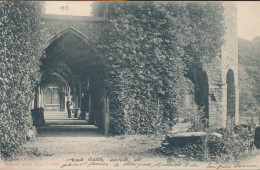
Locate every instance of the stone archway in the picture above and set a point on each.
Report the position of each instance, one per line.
(70, 62)
(199, 79)
(231, 97)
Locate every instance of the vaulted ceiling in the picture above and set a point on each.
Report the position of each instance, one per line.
(69, 58)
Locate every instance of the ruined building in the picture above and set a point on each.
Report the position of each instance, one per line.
(73, 65)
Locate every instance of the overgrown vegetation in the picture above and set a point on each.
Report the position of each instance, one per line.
(229, 145)
(236, 143)
(249, 66)
(19, 64)
(148, 47)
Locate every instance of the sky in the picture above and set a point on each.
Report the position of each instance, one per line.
(248, 19)
(248, 14)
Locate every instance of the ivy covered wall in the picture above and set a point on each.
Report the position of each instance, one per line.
(19, 69)
(148, 48)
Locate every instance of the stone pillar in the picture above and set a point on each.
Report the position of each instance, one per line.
(106, 116)
(38, 98)
(215, 106)
(62, 100)
(75, 100)
(31, 105)
(42, 98)
(80, 94)
(224, 105)
(237, 103)
(230, 53)
(91, 117)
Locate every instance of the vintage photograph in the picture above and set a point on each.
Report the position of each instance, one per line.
(129, 85)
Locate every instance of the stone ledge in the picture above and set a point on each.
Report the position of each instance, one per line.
(191, 134)
(71, 18)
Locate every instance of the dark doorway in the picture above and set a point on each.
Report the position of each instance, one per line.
(201, 90)
(231, 96)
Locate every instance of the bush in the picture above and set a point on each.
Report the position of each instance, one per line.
(236, 142)
(19, 63)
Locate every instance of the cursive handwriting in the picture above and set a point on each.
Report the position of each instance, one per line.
(137, 163)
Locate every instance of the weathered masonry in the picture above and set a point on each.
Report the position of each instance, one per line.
(223, 75)
(216, 83)
(73, 68)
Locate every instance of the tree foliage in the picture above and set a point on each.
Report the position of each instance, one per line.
(19, 64)
(147, 48)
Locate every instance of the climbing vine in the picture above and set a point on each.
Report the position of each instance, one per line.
(148, 46)
(19, 69)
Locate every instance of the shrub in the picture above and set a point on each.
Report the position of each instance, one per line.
(19, 63)
(236, 142)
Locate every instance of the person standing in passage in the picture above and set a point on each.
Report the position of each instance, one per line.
(68, 108)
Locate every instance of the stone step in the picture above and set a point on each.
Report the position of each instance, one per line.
(69, 127)
(58, 124)
(66, 121)
(60, 128)
(61, 114)
(69, 130)
(54, 112)
(57, 118)
(56, 115)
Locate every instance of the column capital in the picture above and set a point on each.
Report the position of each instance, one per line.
(218, 86)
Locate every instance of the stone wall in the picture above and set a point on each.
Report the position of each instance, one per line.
(218, 68)
(230, 54)
(89, 26)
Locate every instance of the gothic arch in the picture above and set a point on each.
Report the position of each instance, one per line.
(199, 79)
(65, 31)
(231, 95)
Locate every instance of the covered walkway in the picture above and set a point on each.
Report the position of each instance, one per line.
(72, 71)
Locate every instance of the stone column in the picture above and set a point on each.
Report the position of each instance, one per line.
(237, 106)
(106, 116)
(42, 98)
(80, 94)
(215, 106)
(224, 105)
(91, 117)
(38, 98)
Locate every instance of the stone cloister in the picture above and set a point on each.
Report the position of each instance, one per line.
(74, 68)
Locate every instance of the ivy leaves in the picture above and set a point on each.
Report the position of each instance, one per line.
(148, 46)
(19, 72)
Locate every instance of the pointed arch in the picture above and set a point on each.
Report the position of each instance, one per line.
(72, 30)
(231, 95)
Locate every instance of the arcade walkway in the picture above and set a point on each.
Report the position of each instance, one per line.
(58, 124)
